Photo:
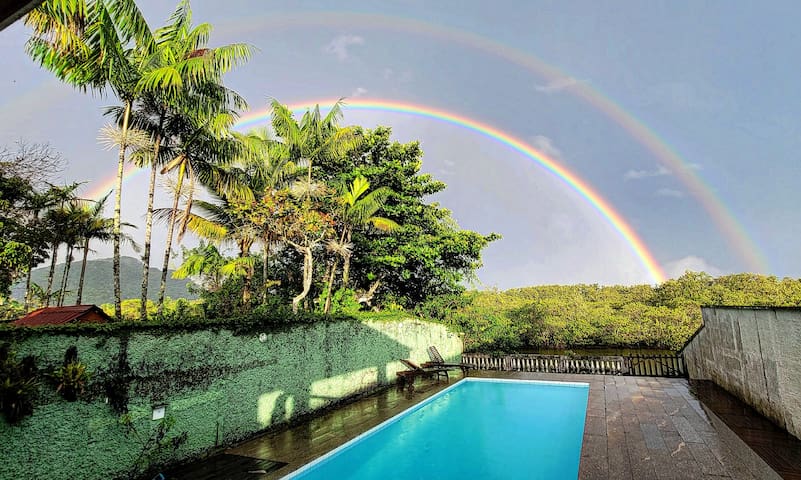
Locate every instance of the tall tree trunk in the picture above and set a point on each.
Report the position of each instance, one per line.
(188, 208)
(309, 179)
(327, 308)
(50, 275)
(79, 295)
(170, 230)
(265, 268)
(118, 213)
(28, 288)
(307, 276)
(249, 272)
(149, 223)
(346, 265)
(246, 294)
(65, 278)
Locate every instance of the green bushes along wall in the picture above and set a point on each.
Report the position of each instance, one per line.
(219, 386)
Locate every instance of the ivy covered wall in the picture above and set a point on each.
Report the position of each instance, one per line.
(219, 386)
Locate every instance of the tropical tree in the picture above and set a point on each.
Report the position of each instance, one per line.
(357, 208)
(265, 173)
(95, 45)
(205, 264)
(201, 156)
(304, 229)
(315, 139)
(75, 216)
(56, 222)
(428, 254)
(182, 76)
(34, 232)
(96, 227)
(225, 221)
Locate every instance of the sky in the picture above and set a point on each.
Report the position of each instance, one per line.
(602, 89)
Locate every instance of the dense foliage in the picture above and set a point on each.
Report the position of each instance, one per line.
(306, 212)
(576, 316)
(368, 214)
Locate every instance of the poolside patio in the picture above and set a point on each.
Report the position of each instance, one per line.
(636, 428)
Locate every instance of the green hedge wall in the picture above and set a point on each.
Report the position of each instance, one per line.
(219, 385)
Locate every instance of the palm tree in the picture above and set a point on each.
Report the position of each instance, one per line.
(180, 53)
(200, 157)
(204, 262)
(39, 202)
(313, 140)
(266, 172)
(94, 227)
(95, 44)
(225, 221)
(357, 208)
(56, 219)
(75, 217)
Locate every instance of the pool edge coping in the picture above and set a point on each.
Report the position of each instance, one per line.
(395, 418)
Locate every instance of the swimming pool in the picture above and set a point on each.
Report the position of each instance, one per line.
(475, 429)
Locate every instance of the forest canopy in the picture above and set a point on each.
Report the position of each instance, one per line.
(581, 316)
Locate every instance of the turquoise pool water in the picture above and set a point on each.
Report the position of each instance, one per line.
(475, 429)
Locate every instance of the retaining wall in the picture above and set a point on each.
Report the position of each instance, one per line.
(755, 354)
(218, 385)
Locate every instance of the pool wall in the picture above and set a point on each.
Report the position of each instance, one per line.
(220, 387)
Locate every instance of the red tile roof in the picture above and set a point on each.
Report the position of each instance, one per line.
(61, 315)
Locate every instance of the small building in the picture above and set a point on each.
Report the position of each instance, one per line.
(63, 315)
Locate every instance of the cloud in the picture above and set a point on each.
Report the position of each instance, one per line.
(691, 263)
(669, 192)
(640, 174)
(358, 92)
(546, 146)
(557, 85)
(339, 46)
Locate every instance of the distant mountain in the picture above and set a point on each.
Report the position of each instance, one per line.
(98, 287)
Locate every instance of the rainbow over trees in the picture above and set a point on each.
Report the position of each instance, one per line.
(306, 213)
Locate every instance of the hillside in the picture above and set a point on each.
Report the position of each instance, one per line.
(99, 284)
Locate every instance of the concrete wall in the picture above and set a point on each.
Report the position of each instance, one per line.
(219, 386)
(755, 354)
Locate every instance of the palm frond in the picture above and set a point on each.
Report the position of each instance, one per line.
(238, 266)
(111, 137)
(304, 189)
(383, 224)
(343, 249)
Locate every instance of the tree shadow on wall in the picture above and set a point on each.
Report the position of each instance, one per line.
(347, 359)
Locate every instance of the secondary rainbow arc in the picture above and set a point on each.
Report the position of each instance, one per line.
(732, 230)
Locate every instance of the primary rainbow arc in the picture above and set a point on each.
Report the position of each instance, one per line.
(561, 172)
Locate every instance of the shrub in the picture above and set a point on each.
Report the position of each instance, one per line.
(18, 385)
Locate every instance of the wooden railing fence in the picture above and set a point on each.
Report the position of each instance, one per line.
(642, 365)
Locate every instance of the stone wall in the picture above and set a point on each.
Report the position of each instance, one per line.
(219, 386)
(755, 354)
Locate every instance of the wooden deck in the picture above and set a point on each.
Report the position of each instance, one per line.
(636, 428)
